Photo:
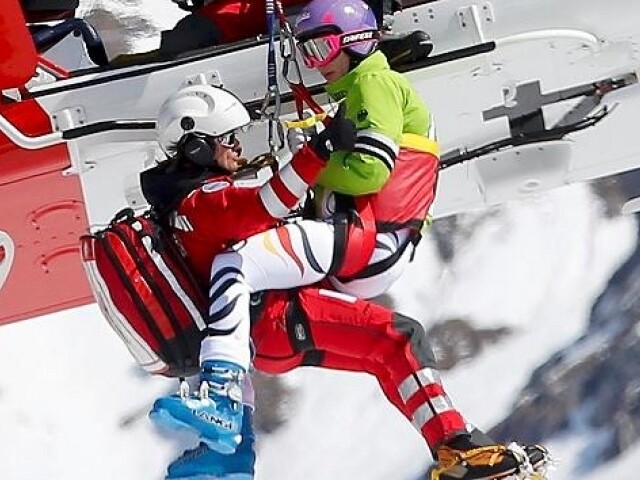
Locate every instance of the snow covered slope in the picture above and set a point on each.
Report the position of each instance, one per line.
(68, 387)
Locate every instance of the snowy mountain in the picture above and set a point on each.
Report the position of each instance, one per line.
(72, 400)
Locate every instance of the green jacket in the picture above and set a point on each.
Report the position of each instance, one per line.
(383, 105)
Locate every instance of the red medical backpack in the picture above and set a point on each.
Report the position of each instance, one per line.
(147, 293)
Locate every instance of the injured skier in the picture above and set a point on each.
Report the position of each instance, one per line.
(209, 212)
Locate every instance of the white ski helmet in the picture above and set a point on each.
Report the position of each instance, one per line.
(199, 109)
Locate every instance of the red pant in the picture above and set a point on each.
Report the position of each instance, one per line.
(316, 327)
(241, 19)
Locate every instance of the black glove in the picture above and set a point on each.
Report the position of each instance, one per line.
(339, 134)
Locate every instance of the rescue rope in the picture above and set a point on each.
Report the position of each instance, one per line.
(271, 104)
(271, 107)
(292, 73)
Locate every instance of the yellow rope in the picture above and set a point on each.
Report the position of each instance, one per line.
(306, 122)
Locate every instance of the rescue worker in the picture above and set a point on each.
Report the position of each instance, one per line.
(197, 130)
(196, 192)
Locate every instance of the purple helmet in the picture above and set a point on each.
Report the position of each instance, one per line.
(321, 17)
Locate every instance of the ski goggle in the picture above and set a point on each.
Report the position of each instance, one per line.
(320, 51)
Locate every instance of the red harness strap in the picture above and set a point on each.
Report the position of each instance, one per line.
(301, 96)
(361, 239)
(355, 237)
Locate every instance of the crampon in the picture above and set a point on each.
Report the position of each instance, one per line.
(496, 462)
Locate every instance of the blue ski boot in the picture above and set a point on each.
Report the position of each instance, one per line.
(203, 463)
(215, 413)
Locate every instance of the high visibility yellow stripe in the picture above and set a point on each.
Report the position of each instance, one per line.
(420, 143)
